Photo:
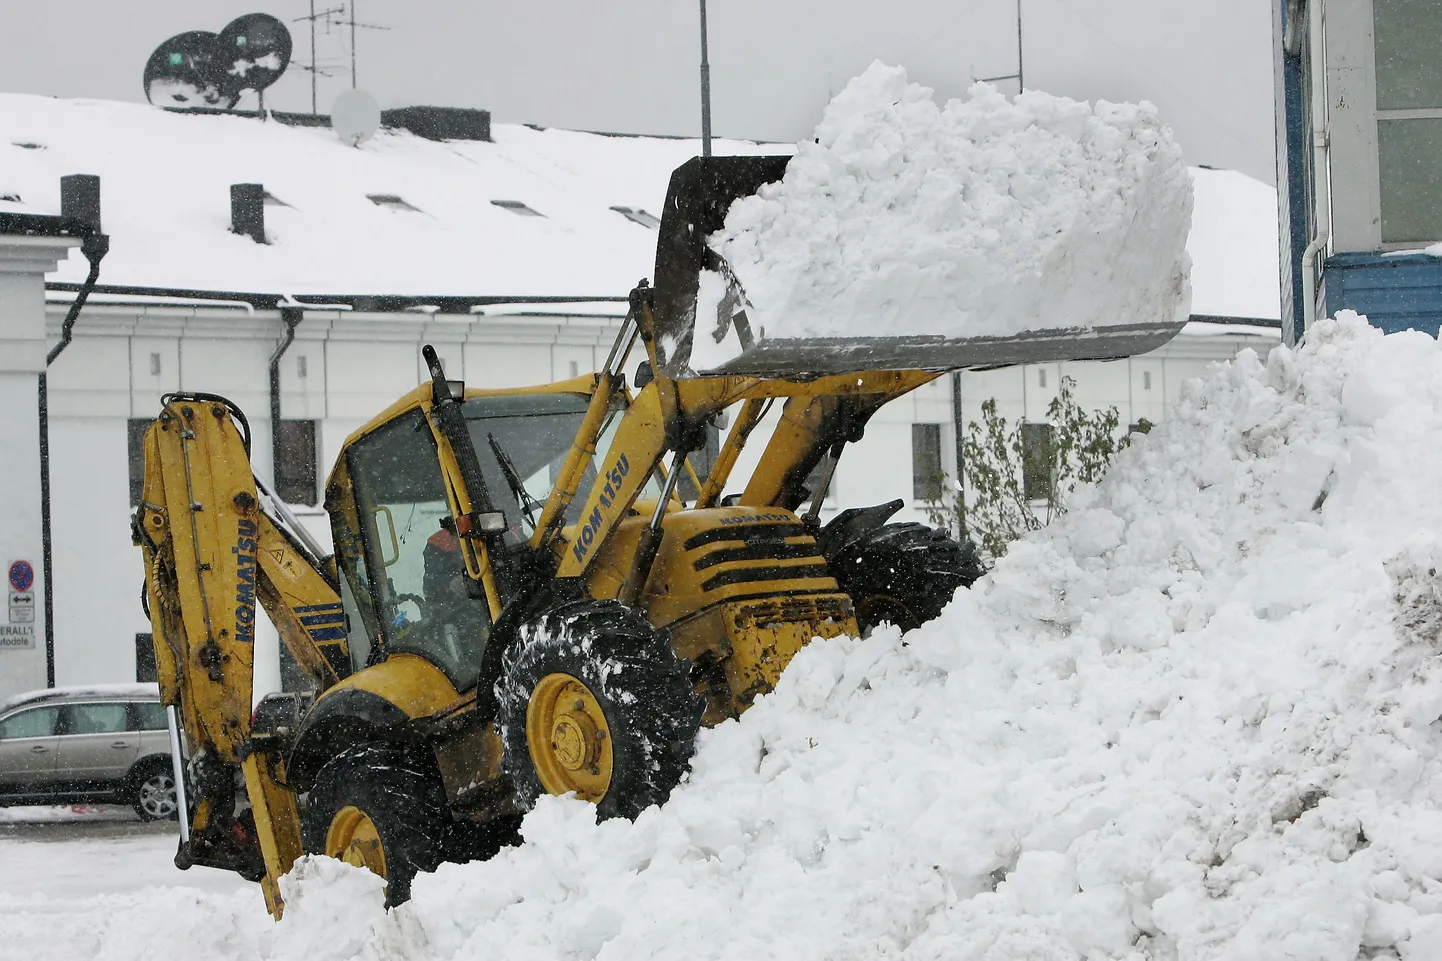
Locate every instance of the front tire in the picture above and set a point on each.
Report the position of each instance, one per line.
(903, 574)
(593, 700)
(380, 808)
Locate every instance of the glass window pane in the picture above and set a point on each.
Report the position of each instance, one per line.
(1410, 161)
(1036, 456)
(926, 462)
(97, 718)
(151, 715)
(37, 722)
(1407, 38)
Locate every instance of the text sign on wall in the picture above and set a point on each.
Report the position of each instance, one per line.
(18, 633)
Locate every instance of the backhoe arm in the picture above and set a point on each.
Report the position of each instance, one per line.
(213, 546)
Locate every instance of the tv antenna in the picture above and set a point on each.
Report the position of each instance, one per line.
(342, 16)
(314, 66)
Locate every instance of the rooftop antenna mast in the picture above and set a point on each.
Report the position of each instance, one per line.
(1019, 76)
(353, 25)
(313, 67)
(706, 89)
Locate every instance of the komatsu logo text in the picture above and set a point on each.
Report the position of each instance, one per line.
(244, 551)
(586, 533)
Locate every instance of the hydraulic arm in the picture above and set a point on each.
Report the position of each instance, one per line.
(215, 542)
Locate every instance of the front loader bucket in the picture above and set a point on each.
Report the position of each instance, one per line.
(701, 193)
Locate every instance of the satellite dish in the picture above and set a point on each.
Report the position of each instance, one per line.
(255, 52)
(355, 117)
(185, 71)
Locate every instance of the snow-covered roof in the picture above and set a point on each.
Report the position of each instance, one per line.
(165, 197)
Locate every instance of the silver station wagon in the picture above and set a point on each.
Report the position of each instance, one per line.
(86, 745)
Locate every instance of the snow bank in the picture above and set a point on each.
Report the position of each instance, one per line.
(1194, 719)
(980, 217)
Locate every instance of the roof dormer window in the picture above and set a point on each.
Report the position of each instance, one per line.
(518, 208)
(638, 216)
(391, 201)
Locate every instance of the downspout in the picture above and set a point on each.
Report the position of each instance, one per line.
(94, 248)
(291, 317)
(1321, 192)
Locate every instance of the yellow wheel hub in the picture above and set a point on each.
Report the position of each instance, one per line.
(568, 737)
(353, 838)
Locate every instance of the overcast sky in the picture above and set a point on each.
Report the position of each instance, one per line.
(632, 66)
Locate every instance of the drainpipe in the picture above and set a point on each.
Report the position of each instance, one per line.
(1321, 188)
(80, 201)
(291, 317)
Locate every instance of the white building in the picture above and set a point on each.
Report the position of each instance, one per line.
(513, 256)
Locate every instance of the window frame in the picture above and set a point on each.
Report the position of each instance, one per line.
(305, 480)
(60, 719)
(927, 489)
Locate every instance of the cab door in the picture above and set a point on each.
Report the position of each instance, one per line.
(29, 744)
(405, 576)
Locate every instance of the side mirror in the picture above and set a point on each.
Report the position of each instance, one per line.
(644, 374)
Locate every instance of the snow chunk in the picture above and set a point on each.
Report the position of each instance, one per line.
(980, 217)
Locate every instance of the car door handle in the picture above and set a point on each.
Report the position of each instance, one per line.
(120, 744)
(39, 749)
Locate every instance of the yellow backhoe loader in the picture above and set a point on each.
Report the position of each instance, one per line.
(520, 601)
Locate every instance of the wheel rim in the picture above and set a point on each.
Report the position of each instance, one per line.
(353, 838)
(157, 795)
(569, 738)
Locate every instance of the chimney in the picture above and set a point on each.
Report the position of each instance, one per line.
(80, 199)
(247, 211)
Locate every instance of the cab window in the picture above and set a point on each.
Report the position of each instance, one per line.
(410, 569)
(522, 442)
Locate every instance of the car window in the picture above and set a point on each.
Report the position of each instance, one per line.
(150, 715)
(97, 718)
(36, 722)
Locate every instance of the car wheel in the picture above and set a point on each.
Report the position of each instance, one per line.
(153, 794)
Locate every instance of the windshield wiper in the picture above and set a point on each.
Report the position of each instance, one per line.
(528, 503)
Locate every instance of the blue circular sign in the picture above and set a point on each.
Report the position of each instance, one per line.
(22, 576)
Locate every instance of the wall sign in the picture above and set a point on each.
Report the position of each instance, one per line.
(22, 576)
(19, 630)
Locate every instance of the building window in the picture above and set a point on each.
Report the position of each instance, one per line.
(135, 429)
(1409, 117)
(926, 462)
(1146, 380)
(638, 216)
(1036, 442)
(295, 474)
(518, 208)
(145, 672)
(392, 202)
(1041, 377)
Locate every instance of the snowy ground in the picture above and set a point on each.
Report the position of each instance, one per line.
(1194, 720)
(63, 855)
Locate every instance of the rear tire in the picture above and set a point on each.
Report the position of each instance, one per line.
(610, 703)
(375, 791)
(903, 574)
(152, 792)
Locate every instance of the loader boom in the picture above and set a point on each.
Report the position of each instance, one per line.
(215, 543)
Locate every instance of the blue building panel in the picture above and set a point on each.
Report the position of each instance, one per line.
(1395, 291)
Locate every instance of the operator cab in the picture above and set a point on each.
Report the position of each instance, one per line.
(403, 575)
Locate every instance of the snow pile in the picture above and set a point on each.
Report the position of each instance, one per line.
(1194, 719)
(980, 217)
